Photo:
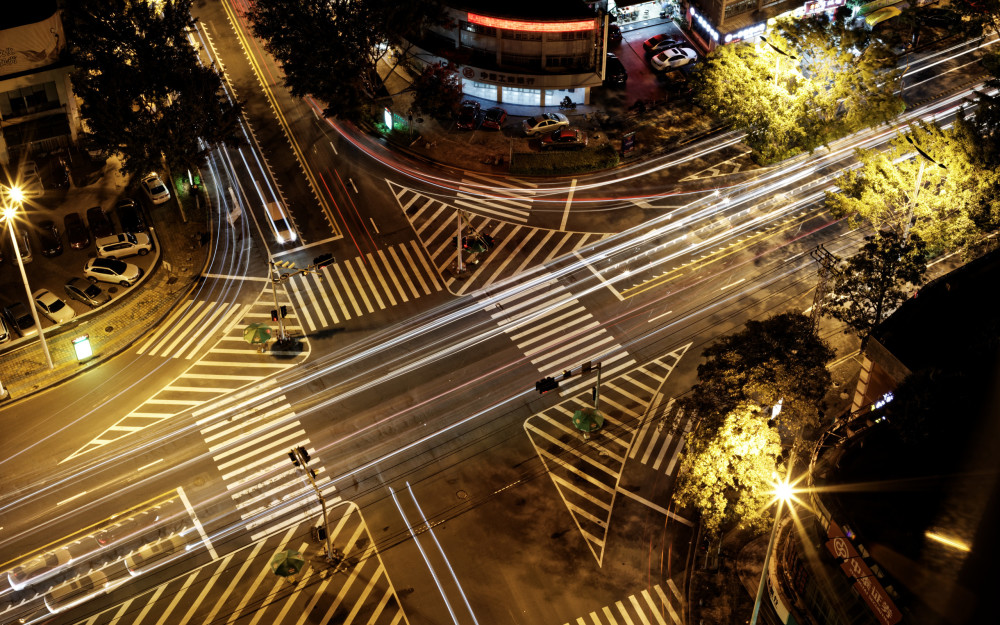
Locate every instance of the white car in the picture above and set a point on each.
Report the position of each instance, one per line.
(122, 245)
(153, 554)
(53, 306)
(111, 270)
(156, 191)
(76, 591)
(674, 57)
(544, 124)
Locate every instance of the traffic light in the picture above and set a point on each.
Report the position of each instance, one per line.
(323, 260)
(284, 312)
(294, 458)
(546, 384)
(274, 315)
(304, 454)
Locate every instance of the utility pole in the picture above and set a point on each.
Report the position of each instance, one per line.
(273, 270)
(826, 262)
(299, 457)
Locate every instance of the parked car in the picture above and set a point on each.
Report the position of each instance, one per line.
(52, 306)
(86, 292)
(494, 118)
(660, 42)
(100, 225)
(155, 190)
(544, 123)
(38, 568)
(19, 318)
(615, 73)
(123, 245)
(76, 591)
(112, 270)
(614, 33)
(673, 57)
(49, 239)
(152, 554)
(60, 174)
(4, 332)
(76, 232)
(23, 245)
(468, 115)
(129, 216)
(565, 139)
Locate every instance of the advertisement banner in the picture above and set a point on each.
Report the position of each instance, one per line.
(31, 46)
(881, 605)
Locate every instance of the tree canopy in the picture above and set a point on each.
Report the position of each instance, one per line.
(328, 49)
(873, 282)
(727, 471)
(145, 95)
(813, 80)
(437, 91)
(955, 203)
(778, 359)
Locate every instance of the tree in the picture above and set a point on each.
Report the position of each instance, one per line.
(727, 472)
(437, 91)
(779, 359)
(874, 281)
(955, 202)
(814, 79)
(329, 49)
(145, 96)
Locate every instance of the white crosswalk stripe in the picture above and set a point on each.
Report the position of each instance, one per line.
(250, 449)
(189, 328)
(516, 245)
(587, 475)
(361, 285)
(646, 607)
(507, 199)
(661, 437)
(556, 332)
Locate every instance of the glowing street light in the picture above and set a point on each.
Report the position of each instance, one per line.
(777, 59)
(14, 199)
(783, 492)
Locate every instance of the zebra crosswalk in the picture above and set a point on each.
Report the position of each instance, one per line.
(517, 246)
(556, 332)
(239, 587)
(507, 199)
(357, 286)
(587, 473)
(648, 606)
(656, 445)
(250, 449)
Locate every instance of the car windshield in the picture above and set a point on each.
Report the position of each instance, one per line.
(56, 306)
(131, 238)
(533, 121)
(116, 266)
(92, 290)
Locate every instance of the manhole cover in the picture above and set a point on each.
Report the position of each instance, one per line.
(109, 328)
(462, 494)
(112, 289)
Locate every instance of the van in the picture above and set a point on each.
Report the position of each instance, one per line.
(614, 72)
(279, 223)
(76, 591)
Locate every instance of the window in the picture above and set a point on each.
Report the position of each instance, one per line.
(740, 7)
(574, 35)
(522, 60)
(479, 30)
(521, 35)
(27, 100)
(579, 60)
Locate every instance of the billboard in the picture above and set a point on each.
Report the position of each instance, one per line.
(31, 46)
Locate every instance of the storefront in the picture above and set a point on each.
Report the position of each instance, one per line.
(638, 11)
(747, 26)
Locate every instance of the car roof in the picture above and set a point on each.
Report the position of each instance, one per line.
(110, 263)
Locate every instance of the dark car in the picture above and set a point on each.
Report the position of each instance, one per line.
(60, 174)
(614, 33)
(76, 232)
(49, 239)
(83, 291)
(100, 225)
(661, 42)
(129, 216)
(615, 74)
(494, 118)
(565, 139)
(468, 115)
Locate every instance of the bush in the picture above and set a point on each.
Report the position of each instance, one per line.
(564, 163)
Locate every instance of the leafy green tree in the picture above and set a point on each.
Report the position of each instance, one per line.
(329, 49)
(813, 80)
(876, 280)
(978, 16)
(437, 91)
(955, 203)
(145, 95)
(727, 471)
(779, 359)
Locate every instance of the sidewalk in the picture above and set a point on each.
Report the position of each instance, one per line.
(23, 369)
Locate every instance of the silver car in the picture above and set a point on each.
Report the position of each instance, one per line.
(76, 591)
(83, 291)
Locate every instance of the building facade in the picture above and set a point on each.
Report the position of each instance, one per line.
(717, 22)
(520, 52)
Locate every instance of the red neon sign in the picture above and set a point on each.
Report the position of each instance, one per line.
(538, 27)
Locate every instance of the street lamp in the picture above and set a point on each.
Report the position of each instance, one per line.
(777, 59)
(783, 493)
(13, 200)
(916, 191)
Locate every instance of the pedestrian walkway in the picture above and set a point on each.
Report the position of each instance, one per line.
(587, 473)
(656, 605)
(250, 449)
(229, 364)
(503, 215)
(661, 436)
(239, 587)
(358, 286)
(556, 332)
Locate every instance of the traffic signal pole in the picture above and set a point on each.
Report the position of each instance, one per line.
(300, 455)
(274, 294)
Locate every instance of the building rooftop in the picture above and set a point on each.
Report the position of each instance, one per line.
(16, 14)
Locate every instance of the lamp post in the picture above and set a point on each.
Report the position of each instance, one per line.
(777, 59)
(782, 494)
(916, 191)
(15, 199)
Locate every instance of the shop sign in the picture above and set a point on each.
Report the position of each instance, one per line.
(499, 79)
(704, 23)
(881, 605)
(746, 33)
(818, 6)
(628, 143)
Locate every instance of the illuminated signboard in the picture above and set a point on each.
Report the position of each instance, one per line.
(746, 33)
(818, 6)
(538, 27)
(81, 345)
(704, 23)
